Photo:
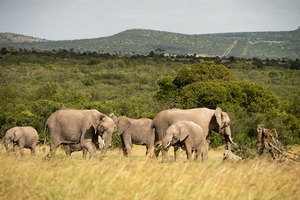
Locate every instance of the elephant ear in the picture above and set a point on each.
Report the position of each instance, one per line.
(184, 132)
(123, 124)
(218, 115)
(17, 135)
(96, 119)
(225, 119)
(113, 117)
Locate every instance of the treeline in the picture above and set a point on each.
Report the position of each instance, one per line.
(36, 83)
(157, 53)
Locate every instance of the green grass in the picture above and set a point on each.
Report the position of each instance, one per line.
(139, 177)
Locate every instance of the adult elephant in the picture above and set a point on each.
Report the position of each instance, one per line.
(71, 126)
(208, 119)
(97, 141)
(22, 137)
(188, 135)
(134, 131)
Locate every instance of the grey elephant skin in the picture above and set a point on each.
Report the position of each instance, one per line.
(229, 156)
(208, 119)
(134, 131)
(188, 135)
(71, 126)
(22, 137)
(70, 148)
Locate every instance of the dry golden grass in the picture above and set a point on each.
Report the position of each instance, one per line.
(139, 177)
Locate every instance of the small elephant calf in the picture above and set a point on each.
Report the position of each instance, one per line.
(97, 141)
(188, 135)
(134, 131)
(228, 155)
(22, 137)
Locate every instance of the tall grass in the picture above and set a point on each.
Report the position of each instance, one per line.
(139, 177)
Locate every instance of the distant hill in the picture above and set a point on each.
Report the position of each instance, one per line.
(11, 38)
(281, 44)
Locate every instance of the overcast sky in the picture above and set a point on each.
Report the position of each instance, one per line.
(78, 19)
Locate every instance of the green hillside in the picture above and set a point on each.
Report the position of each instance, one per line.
(11, 38)
(274, 45)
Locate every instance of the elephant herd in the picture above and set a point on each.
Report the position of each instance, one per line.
(88, 130)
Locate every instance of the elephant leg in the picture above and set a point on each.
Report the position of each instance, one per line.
(68, 150)
(128, 143)
(22, 151)
(151, 150)
(156, 151)
(21, 147)
(89, 146)
(33, 151)
(204, 155)
(147, 150)
(84, 152)
(15, 147)
(197, 154)
(176, 152)
(204, 151)
(123, 146)
(68, 153)
(188, 153)
(33, 147)
(53, 147)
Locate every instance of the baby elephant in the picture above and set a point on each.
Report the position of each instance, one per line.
(22, 137)
(229, 155)
(188, 135)
(97, 141)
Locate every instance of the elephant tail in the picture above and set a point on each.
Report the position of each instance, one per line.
(153, 128)
(45, 133)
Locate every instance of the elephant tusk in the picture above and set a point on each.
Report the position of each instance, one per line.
(103, 142)
(168, 144)
(231, 141)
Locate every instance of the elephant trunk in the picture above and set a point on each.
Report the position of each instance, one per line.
(228, 139)
(107, 138)
(101, 143)
(157, 148)
(166, 145)
(6, 142)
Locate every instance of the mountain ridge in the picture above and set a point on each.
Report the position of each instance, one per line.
(269, 44)
(8, 37)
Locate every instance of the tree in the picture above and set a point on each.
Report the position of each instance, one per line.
(167, 91)
(202, 71)
(250, 96)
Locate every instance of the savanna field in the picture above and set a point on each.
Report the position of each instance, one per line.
(35, 84)
(138, 177)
